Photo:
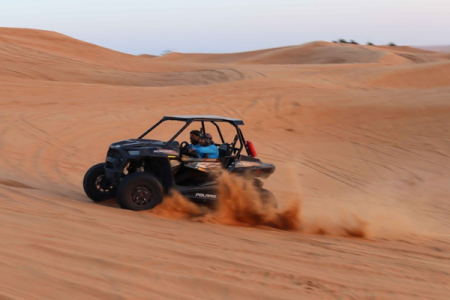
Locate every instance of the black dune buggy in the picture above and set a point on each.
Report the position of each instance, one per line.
(139, 172)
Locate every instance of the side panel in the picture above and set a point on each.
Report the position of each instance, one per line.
(162, 169)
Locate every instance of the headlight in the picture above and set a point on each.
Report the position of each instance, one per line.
(134, 152)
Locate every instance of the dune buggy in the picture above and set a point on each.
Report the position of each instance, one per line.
(140, 172)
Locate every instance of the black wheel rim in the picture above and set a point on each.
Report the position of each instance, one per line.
(100, 184)
(141, 196)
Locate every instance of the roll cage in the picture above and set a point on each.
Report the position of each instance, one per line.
(202, 119)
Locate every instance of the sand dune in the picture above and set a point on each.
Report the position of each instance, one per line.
(312, 53)
(421, 76)
(441, 48)
(408, 49)
(359, 135)
(315, 53)
(44, 55)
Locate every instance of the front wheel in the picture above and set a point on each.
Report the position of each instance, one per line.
(139, 191)
(95, 186)
(267, 198)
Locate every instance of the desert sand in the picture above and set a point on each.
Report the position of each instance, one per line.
(360, 136)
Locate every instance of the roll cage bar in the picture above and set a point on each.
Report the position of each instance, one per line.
(202, 119)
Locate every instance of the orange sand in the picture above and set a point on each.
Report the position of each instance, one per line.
(360, 136)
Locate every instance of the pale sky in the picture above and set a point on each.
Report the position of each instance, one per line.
(223, 26)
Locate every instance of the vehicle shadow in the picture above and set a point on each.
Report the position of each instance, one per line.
(109, 203)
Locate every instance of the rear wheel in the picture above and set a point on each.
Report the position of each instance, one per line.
(139, 191)
(95, 186)
(267, 198)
